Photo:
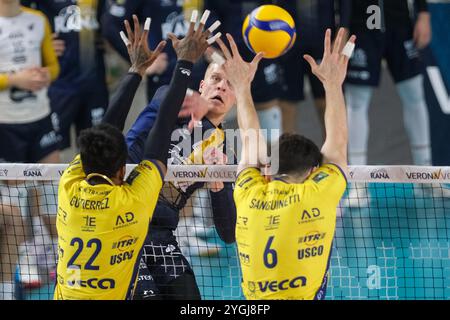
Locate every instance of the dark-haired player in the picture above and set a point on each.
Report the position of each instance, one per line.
(102, 219)
(286, 226)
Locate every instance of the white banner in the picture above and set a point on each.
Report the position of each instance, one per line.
(227, 173)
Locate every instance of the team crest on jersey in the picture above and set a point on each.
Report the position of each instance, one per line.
(320, 176)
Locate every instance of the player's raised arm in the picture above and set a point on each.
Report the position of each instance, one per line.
(141, 58)
(241, 74)
(188, 50)
(332, 72)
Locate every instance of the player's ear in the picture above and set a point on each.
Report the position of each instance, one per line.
(202, 83)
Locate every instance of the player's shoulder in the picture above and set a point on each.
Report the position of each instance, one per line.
(30, 13)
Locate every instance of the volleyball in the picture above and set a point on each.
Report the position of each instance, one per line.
(269, 29)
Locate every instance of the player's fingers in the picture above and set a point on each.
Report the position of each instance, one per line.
(137, 28)
(234, 48)
(173, 38)
(144, 36)
(130, 34)
(327, 43)
(347, 52)
(125, 40)
(311, 61)
(193, 21)
(160, 48)
(257, 59)
(338, 41)
(224, 49)
(203, 20)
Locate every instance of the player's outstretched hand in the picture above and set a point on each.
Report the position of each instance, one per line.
(239, 72)
(194, 45)
(333, 68)
(141, 56)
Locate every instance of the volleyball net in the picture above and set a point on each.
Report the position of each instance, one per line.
(391, 241)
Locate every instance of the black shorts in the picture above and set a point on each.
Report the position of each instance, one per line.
(164, 273)
(84, 108)
(396, 45)
(294, 68)
(29, 143)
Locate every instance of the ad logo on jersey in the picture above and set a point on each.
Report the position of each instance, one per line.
(312, 238)
(310, 215)
(275, 286)
(125, 220)
(124, 243)
(94, 283)
(118, 258)
(310, 252)
(245, 258)
(273, 222)
(320, 176)
(73, 18)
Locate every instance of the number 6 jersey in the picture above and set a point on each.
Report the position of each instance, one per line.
(101, 231)
(284, 233)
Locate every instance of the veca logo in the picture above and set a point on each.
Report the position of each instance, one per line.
(275, 286)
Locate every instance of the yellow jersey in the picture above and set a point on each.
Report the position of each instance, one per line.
(101, 232)
(284, 233)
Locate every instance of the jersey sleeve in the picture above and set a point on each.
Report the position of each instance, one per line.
(250, 180)
(330, 181)
(49, 58)
(145, 181)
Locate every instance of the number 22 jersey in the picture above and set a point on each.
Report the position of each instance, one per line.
(284, 233)
(101, 231)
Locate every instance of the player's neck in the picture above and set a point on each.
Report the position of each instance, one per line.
(9, 10)
(293, 179)
(216, 120)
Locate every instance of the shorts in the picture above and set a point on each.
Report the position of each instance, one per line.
(161, 268)
(294, 68)
(396, 45)
(29, 142)
(84, 108)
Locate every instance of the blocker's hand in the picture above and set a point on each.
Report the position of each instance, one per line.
(239, 72)
(333, 68)
(141, 56)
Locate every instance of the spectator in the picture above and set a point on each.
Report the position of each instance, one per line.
(393, 36)
(312, 18)
(28, 66)
(80, 94)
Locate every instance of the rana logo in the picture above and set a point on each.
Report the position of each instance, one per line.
(32, 173)
(379, 174)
